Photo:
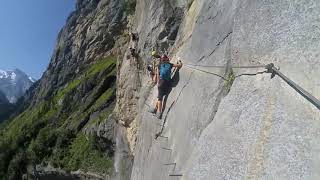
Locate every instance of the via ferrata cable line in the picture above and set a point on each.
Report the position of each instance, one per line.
(300, 90)
(236, 67)
(270, 68)
(201, 70)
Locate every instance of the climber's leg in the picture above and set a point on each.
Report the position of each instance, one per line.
(159, 113)
(158, 105)
(161, 93)
(156, 76)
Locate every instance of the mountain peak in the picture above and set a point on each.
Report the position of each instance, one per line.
(14, 83)
(3, 74)
(18, 71)
(32, 79)
(12, 74)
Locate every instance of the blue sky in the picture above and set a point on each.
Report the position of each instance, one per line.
(28, 33)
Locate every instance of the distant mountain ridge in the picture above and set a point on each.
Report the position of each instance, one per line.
(3, 98)
(6, 108)
(14, 84)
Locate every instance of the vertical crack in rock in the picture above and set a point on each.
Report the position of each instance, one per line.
(224, 84)
(220, 42)
(216, 47)
(222, 91)
(256, 166)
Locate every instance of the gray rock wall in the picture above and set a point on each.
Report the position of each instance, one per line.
(89, 34)
(262, 128)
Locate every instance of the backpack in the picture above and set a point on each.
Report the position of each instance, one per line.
(165, 71)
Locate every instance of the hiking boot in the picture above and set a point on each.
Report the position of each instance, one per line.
(159, 115)
(152, 110)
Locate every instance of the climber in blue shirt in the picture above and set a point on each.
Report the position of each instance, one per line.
(164, 79)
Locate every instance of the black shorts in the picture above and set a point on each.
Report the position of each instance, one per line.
(163, 88)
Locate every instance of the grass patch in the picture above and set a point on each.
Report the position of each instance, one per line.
(130, 6)
(67, 89)
(28, 120)
(85, 156)
(99, 102)
(39, 135)
(228, 83)
(27, 129)
(42, 146)
(100, 66)
(102, 116)
(89, 73)
(103, 98)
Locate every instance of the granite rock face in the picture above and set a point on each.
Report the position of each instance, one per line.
(261, 128)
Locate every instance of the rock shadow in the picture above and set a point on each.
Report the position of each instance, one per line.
(174, 82)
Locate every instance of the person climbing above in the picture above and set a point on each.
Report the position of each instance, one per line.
(134, 44)
(153, 67)
(164, 83)
(155, 54)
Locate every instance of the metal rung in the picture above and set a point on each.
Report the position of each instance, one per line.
(168, 164)
(163, 137)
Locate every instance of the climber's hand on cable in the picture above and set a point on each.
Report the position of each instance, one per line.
(180, 62)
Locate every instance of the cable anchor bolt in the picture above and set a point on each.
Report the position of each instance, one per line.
(270, 69)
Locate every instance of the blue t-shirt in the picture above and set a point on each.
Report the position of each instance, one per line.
(165, 71)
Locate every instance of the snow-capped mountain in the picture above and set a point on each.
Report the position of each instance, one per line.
(14, 84)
